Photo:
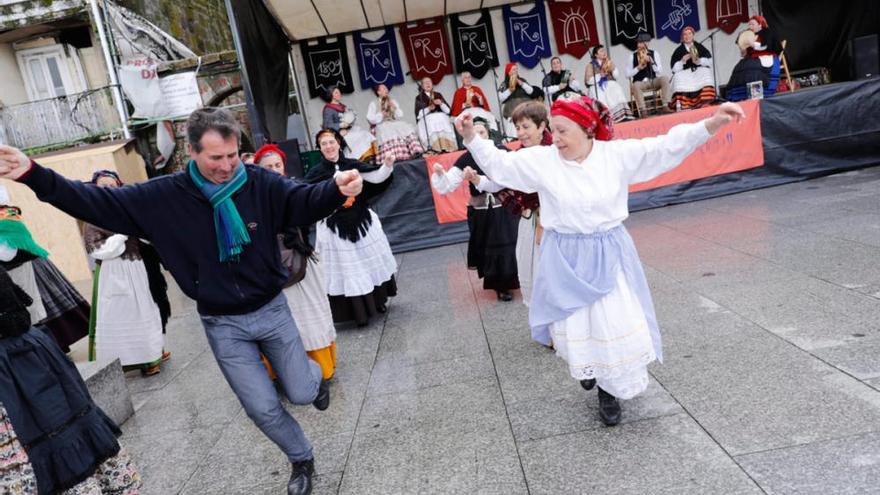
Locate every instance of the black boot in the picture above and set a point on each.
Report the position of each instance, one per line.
(588, 384)
(301, 477)
(504, 295)
(322, 401)
(609, 408)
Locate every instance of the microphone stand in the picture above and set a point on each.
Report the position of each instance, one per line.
(711, 38)
(425, 119)
(500, 114)
(547, 96)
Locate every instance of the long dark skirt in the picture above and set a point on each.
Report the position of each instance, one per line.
(492, 247)
(359, 309)
(67, 313)
(748, 70)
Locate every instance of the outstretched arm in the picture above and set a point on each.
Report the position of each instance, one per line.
(520, 170)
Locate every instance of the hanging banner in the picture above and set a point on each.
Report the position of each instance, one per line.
(574, 24)
(326, 66)
(726, 14)
(674, 15)
(527, 38)
(629, 18)
(426, 48)
(474, 45)
(378, 60)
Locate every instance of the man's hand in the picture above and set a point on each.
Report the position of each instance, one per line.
(13, 163)
(727, 113)
(350, 182)
(438, 169)
(471, 175)
(389, 160)
(464, 124)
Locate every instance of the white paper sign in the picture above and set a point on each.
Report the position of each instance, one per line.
(141, 86)
(180, 93)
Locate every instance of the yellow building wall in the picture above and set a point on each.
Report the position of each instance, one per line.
(53, 229)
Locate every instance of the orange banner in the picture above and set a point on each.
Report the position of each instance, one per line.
(734, 148)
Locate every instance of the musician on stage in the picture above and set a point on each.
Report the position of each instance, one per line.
(468, 96)
(513, 91)
(760, 49)
(559, 82)
(645, 70)
(432, 116)
(693, 84)
(601, 76)
(360, 144)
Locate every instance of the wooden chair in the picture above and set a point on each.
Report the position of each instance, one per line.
(653, 100)
(784, 63)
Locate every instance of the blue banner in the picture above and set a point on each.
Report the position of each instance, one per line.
(378, 61)
(673, 15)
(528, 40)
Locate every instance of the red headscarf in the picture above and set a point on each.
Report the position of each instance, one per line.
(267, 149)
(687, 28)
(592, 115)
(760, 19)
(508, 67)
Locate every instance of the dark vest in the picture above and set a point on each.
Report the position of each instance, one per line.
(648, 71)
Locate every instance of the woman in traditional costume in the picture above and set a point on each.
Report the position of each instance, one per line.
(360, 144)
(760, 62)
(601, 75)
(693, 84)
(125, 321)
(307, 297)
(355, 253)
(560, 82)
(397, 138)
(591, 296)
(432, 119)
(514, 91)
(492, 242)
(53, 438)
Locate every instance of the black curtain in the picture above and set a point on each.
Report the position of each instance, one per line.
(263, 52)
(819, 31)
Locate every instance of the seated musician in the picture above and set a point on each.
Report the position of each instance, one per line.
(645, 70)
(470, 99)
(432, 117)
(513, 91)
(360, 144)
(559, 82)
(693, 84)
(760, 49)
(601, 77)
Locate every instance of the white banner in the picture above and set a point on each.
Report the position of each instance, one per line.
(141, 86)
(180, 93)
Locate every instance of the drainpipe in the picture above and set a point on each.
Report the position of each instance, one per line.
(111, 68)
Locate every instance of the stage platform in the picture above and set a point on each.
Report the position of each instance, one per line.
(810, 133)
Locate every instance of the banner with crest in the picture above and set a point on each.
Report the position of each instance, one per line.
(378, 60)
(673, 15)
(474, 45)
(726, 14)
(574, 24)
(326, 65)
(426, 48)
(628, 19)
(527, 38)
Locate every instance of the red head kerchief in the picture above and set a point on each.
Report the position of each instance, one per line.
(592, 115)
(268, 149)
(761, 20)
(508, 67)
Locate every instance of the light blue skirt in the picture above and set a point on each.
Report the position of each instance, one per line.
(577, 270)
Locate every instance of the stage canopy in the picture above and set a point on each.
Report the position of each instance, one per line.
(304, 19)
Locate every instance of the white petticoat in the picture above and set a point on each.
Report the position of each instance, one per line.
(526, 257)
(128, 324)
(359, 141)
(611, 95)
(310, 308)
(438, 126)
(688, 81)
(609, 341)
(393, 129)
(355, 268)
(23, 276)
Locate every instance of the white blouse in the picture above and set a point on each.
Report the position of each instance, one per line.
(447, 182)
(374, 112)
(589, 196)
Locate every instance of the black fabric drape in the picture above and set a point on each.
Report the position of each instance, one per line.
(819, 32)
(264, 52)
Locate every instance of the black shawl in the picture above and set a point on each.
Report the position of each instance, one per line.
(424, 101)
(353, 222)
(682, 50)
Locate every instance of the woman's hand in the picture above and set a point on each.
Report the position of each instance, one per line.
(389, 160)
(464, 124)
(438, 169)
(471, 175)
(726, 113)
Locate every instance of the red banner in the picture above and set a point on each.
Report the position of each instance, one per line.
(726, 14)
(427, 50)
(574, 24)
(734, 148)
(453, 206)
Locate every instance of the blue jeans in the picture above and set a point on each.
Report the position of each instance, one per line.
(237, 341)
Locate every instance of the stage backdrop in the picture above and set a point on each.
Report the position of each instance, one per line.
(733, 149)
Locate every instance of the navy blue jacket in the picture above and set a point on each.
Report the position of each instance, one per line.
(178, 220)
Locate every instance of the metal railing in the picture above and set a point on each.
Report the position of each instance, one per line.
(66, 119)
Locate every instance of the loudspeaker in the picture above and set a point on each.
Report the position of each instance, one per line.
(865, 57)
(294, 166)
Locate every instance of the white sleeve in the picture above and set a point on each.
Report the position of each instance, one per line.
(658, 68)
(520, 170)
(630, 69)
(445, 108)
(374, 116)
(552, 89)
(527, 88)
(758, 46)
(644, 159)
(678, 67)
(504, 95)
(378, 176)
(576, 85)
(398, 112)
(7, 252)
(488, 185)
(113, 247)
(706, 62)
(447, 182)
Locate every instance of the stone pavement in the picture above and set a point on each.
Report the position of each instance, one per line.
(769, 302)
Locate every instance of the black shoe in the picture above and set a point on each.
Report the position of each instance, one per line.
(609, 408)
(588, 384)
(322, 401)
(301, 477)
(504, 295)
(382, 308)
